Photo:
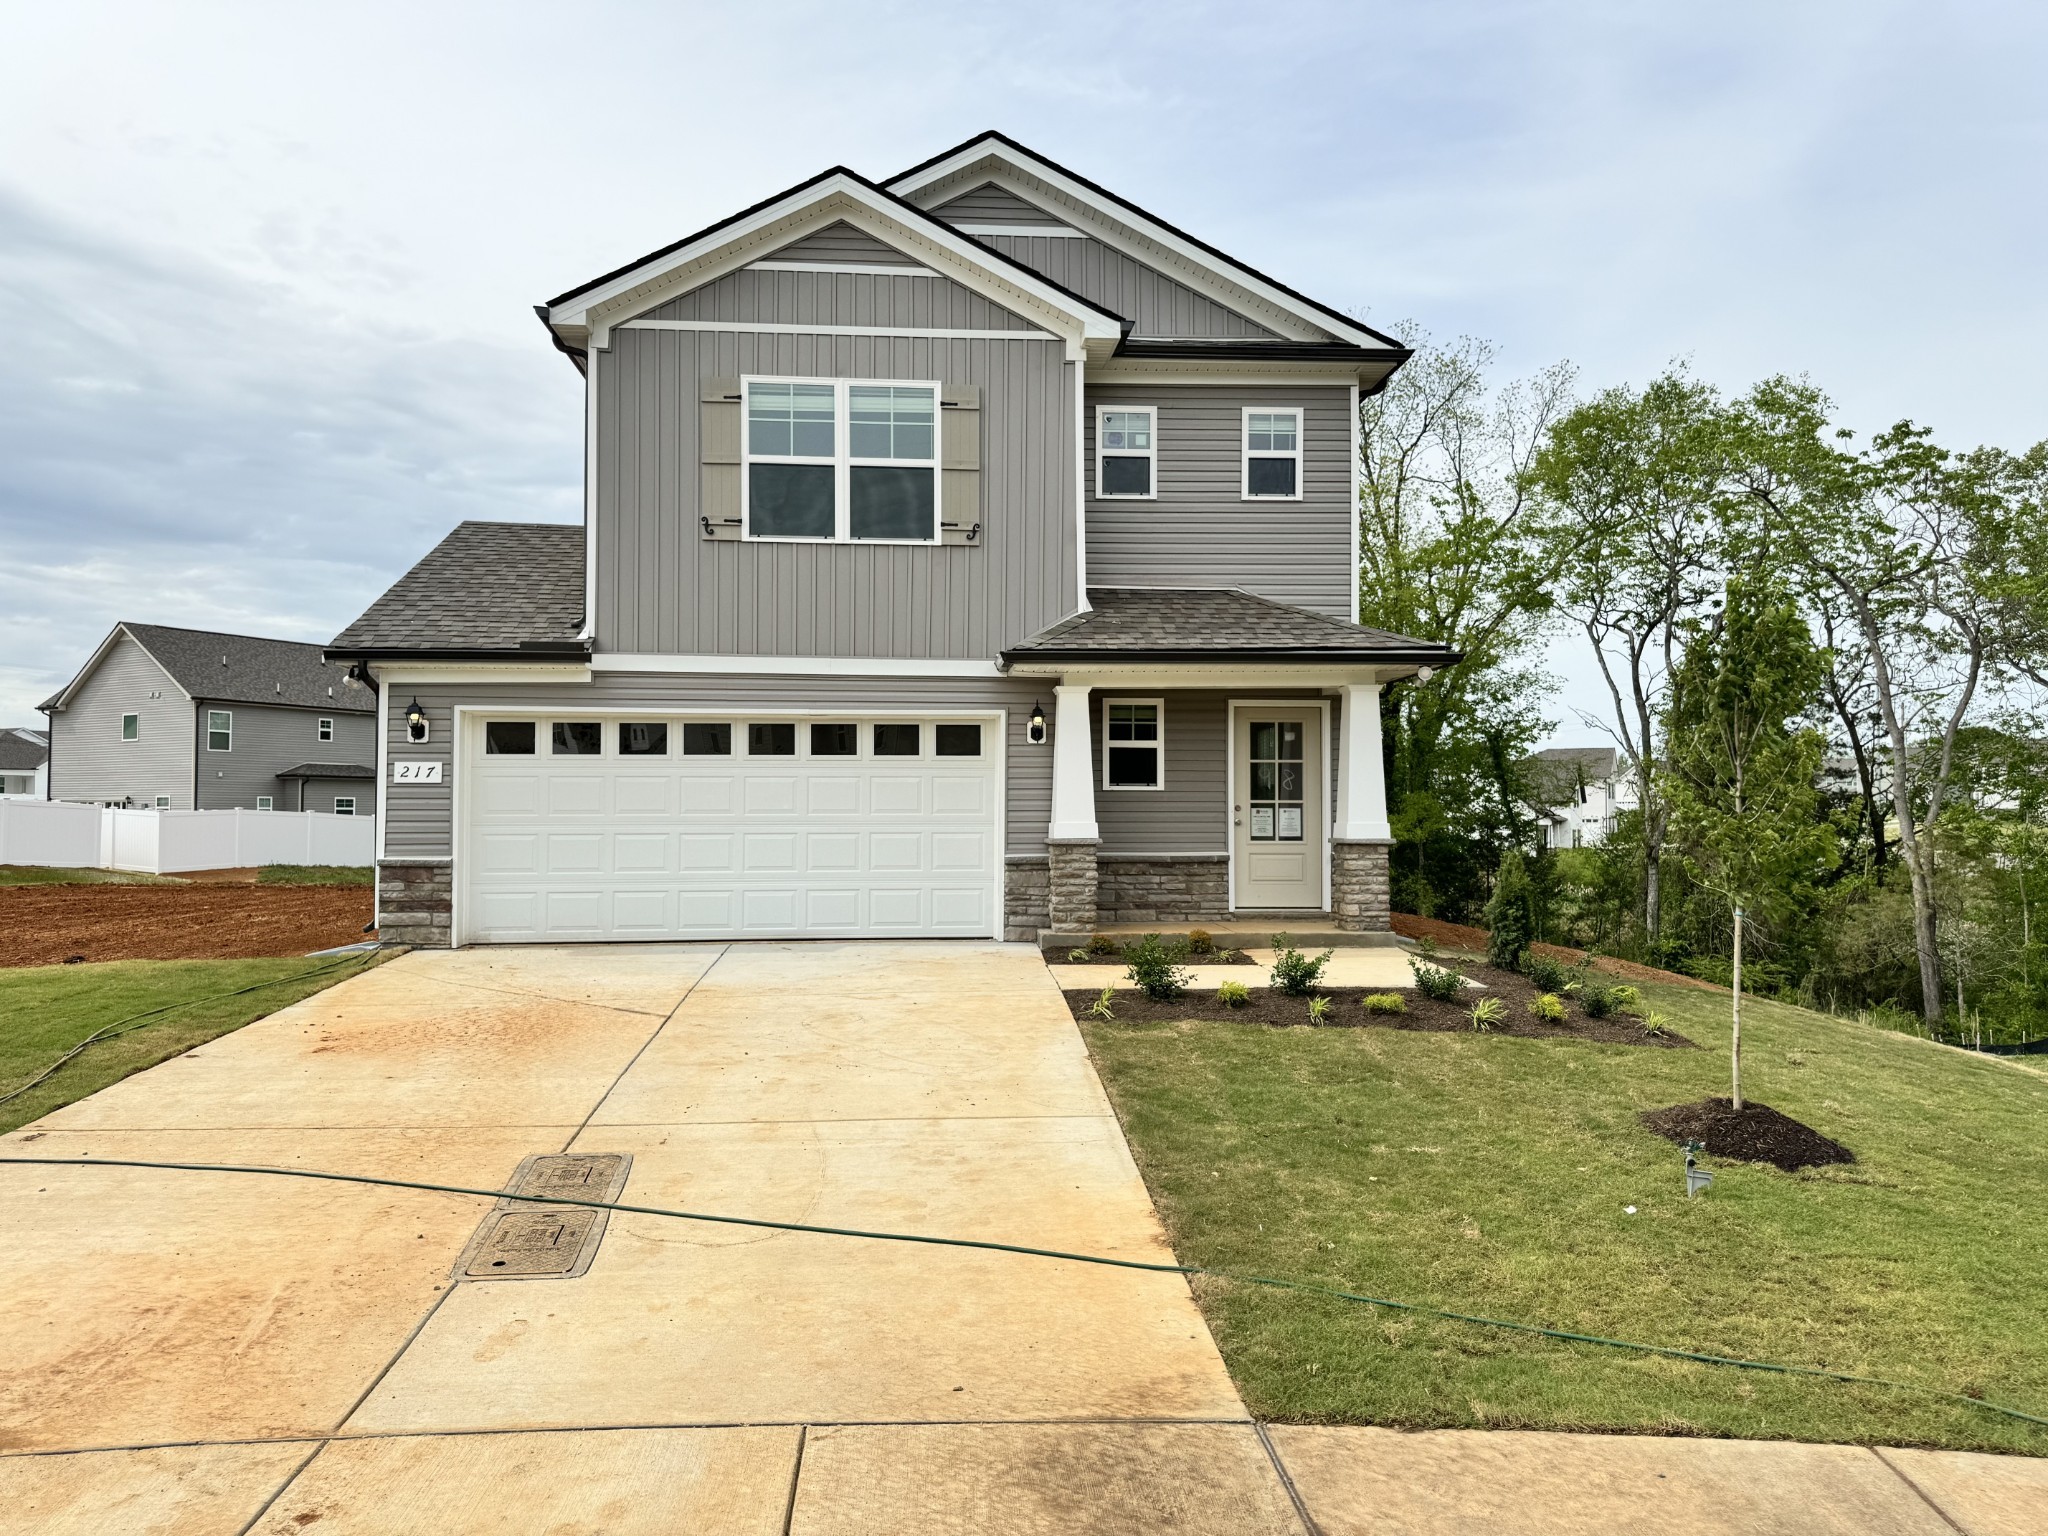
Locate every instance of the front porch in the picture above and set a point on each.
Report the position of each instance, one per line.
(1216, 764)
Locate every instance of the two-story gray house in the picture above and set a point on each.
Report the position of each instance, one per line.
(971, 553)
(190, 719)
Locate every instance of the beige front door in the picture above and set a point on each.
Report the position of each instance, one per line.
(1276, 814)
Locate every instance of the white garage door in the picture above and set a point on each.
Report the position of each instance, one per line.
(695, 827)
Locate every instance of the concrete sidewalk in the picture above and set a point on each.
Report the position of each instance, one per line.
(216, 1353)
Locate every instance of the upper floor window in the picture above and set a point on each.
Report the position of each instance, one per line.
(1125, 452)
(220, 730)
(1272, 453)
(841, 460)
(131, 727)
(326, 729)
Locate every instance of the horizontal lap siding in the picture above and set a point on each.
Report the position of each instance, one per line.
(841, 298)
(664, 589)
(1189, 814)
(1158, 307)
(1200, 531)
(991, 204)
(418, 817)
(88, 758)
(842, 242)
(268, 739)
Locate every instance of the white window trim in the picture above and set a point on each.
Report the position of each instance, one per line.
(227, 715)
(325, 729)
(1244, 449)
(1152, 453)
(265, 803)
(161, 803)
(138, 727)
(347, 800)
(842, 461)
(1159, 746)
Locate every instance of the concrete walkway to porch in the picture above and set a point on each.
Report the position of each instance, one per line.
(212, 1354)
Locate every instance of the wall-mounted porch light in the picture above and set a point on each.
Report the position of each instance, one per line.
(1034, 732)
(415, 721)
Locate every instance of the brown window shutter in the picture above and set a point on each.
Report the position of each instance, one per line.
(720, 422)
(960, 464)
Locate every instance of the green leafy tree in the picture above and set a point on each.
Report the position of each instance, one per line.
(1740, 773)
(1511, 913)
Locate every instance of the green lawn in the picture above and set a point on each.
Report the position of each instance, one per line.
(47, 1009)
(1492, 1175)
(314, 874)
(37, 874)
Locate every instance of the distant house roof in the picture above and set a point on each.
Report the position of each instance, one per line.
(236, 669)
(488, 589)
(22, 751)
(1214, 624)
(328, 771)
(1557, 772)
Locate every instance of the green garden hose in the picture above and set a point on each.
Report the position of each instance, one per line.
(1307, 1287)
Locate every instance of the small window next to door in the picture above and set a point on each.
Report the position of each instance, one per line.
(1133, 743)
(1274, 805)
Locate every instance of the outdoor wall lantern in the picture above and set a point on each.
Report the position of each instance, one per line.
(415, 721)
(1035, 731)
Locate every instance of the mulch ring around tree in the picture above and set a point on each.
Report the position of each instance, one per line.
(1347, 1011)
(1756, 1133)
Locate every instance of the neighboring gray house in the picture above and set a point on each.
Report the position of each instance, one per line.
(187, 719)
(1580, 793)
(24, 762)
(967, 554)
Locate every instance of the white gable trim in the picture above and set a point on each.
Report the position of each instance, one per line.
(593, 313)
(1142, 239)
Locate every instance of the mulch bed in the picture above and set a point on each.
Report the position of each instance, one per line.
(1347, 1011)
(1460, 936)
(52, 924)
(1116, 957)
(1756, 1133)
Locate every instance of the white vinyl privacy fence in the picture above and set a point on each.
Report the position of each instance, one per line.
(59, 833)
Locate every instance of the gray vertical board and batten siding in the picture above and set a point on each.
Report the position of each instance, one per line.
(662, 588)
(88, 758)
(418, 817)
(1200, 531)
(267, 739)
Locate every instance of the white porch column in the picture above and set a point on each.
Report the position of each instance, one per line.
(1073, 766)
(1361, 775)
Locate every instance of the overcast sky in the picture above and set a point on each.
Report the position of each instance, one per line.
(267, 270)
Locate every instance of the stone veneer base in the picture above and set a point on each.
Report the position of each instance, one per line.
(415, 901)
(1361, 887)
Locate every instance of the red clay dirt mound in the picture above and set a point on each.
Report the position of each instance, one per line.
(1459, 936)
(48, 924)
(1756, 1133)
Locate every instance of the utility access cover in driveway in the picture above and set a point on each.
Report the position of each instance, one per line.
(520, 1240)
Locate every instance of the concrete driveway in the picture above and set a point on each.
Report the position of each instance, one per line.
(198, 1352)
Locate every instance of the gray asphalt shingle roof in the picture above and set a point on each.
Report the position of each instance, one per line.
(246, 669)
(22, 751)
(1221, 622)
(328, 771)
(486, 587)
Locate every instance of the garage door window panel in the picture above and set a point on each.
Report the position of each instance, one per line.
(578, 738)
(898, 739)
(835, 739)
(643, 738)
(957, 740)
(508, 738)
(772, 738)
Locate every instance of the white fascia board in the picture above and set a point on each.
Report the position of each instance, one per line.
(1319, 676)
(1224, 372)
(838, 198)
(405, 674)
(1110, 222)
(793, 666)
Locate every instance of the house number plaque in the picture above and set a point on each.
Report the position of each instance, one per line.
(415, 772)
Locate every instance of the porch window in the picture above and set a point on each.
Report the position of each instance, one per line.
(842, 461)
(1133, 743)
(1272, 454)
(1125, 450)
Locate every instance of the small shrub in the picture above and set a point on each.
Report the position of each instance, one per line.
(1201, 942)
(1154, 968)
(1318, 1009)
(1426, 947)
(1101, 944)
(1385, 1002)
(1104, 1007)
(1294, 973)
(1486, 1013)
(1078, 957)
(1511, 913)
(1549, 975)
(1435, 982)
(1233, 994)
(1597, 1000)
(1655, 1023)
(1627, 999)
(1548, 1007)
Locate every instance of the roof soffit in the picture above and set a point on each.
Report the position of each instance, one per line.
(1158, 248)
(593, 314)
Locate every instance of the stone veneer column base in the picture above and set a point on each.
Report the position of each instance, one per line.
(1172, 889)
(416, 902)
(1071, 900)
(1027, 898)
(1361, 889)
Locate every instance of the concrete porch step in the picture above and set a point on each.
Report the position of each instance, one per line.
(1307, 930)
